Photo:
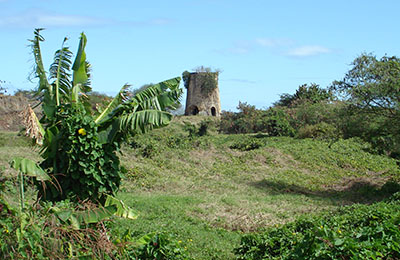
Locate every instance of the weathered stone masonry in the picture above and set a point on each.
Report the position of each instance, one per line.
(198, 102)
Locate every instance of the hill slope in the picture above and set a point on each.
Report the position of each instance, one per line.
(208, 190)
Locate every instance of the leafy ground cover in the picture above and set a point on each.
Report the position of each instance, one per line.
(207, 192)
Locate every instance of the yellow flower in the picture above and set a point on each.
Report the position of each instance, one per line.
(321, 227)
(339, 231)
(82, 131)
(179, 241)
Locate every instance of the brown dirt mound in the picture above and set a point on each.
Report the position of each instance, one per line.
(11, 108)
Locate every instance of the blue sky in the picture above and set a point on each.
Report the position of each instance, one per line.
(264, 48)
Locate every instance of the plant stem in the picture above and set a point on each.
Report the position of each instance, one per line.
(21, 190)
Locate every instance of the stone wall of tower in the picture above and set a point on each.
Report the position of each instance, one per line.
(197, 102)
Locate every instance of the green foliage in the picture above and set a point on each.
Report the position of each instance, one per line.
(208, 82)
(246, 144)
(207, 79)
(80, 150)
(304, 93)
(188, 191)
(157, 246)
(322, 130)
(372, 90)
(357, 232)
(201, 130)
(29, 168)
(273, 121)
(60, 231)
(186, 78)
(373, 84)
(85, 168)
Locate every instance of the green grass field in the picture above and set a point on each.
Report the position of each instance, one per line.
(208, 194)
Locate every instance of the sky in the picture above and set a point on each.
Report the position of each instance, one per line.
(263, 48)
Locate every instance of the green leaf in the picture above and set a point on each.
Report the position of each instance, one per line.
(38, 69)
(95, 215)
(145, 120)
(80, 75)
(59, 71)
(122, 210)
(29, 168)
(89, 216)
(117, 100)
(338, 242)
(144, 240)
(64, 215)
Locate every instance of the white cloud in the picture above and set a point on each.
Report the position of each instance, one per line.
(272, 42)
(309, 50)
(37, 18)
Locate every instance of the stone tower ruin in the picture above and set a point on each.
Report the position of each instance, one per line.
(203, 94)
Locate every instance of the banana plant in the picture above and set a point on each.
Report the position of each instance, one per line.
(79, 149)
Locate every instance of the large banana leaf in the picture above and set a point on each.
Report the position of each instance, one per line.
(142, 112)
(144, 120)
(29, 168)
(134, 123)
(156, 97)
(90, 216)
(159, 96)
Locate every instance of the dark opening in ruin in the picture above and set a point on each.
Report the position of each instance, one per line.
(213, 111)
(194, 110)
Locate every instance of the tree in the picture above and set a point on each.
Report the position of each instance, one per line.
(372, 90)
(79, 147)
(305, 93)
(372, 85)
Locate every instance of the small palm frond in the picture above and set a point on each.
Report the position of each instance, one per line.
(60, 72)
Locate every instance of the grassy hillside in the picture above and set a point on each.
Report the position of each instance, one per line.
(211, 189)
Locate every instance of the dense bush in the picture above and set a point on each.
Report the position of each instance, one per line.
(273, 121)
(42, 234)
(305, 93)
(202, 129)
(319, 131)
(355, 232)
(246, 144)
(69, 230)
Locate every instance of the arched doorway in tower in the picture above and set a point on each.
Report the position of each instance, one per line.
(193, 110)
(213, 111)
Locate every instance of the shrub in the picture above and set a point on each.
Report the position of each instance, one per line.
(201, 130)
(319, 131)
(246, 144)
(157, 246)
(85, 167)
(355, 232)
(274, 121)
